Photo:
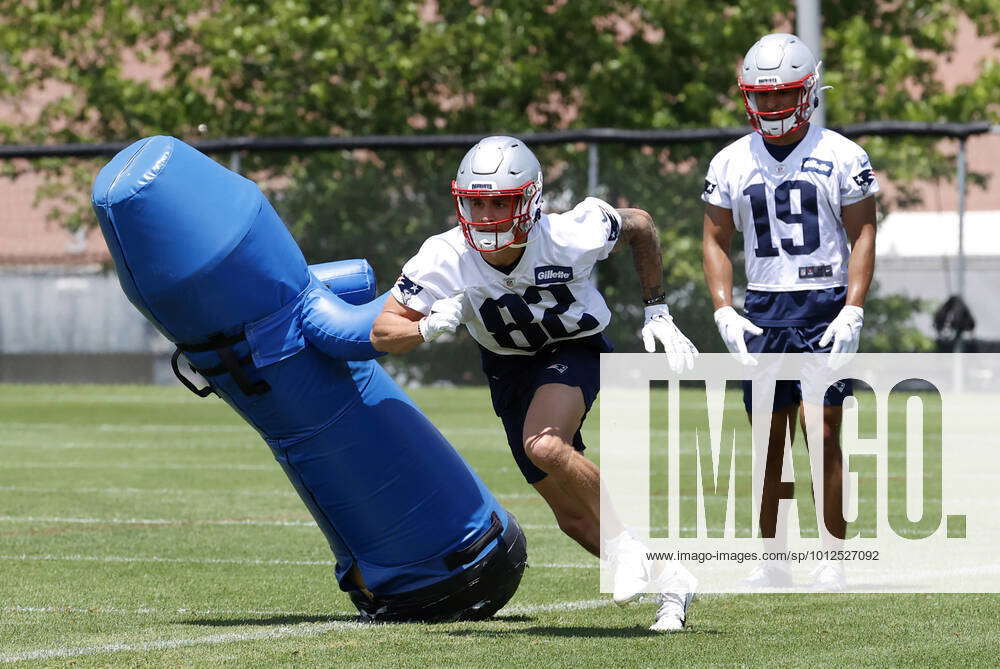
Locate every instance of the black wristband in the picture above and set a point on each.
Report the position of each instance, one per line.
(659, 299)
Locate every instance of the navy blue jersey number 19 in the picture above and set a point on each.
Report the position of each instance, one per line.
(807, 217)
(536, 335)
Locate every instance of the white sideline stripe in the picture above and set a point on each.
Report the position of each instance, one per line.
(145, 610)
(557, 606)
(154, 558)
(140, 398)
(198, 491)
(96, 465)
(156, 521)
(77, 445)
(191, 427)
(244, 521)
(121, 427)
(150, 491)
(188, 521)
(283, 632)
(24, 557)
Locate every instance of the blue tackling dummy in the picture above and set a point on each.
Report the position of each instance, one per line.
(202, 254)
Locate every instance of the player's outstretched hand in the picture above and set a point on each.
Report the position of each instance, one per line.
(659, 326)
(445, 316)
(845, 333)
(732, 327)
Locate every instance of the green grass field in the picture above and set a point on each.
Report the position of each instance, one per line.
(142, 526)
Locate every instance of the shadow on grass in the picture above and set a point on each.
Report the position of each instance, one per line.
(266, 621)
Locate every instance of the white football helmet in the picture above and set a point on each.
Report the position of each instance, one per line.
(498, 166)
(779, 61)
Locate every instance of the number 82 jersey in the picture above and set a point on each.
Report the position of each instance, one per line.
(548, 295)
(789, 211)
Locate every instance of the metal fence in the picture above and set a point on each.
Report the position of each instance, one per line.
(379, 197)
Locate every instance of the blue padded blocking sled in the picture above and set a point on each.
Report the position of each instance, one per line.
(202, 254)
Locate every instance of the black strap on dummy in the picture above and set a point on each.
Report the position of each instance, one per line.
(200, 392)
(230, 365)
(469, 553)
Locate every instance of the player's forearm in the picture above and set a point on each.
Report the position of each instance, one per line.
(718, 270)
(861, 268)
(395, 334)
(644, 240)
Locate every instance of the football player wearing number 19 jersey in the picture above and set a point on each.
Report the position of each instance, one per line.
(802, 196)
(521, 281)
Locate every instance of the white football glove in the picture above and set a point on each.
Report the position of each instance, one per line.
(845, 333)
(445, 316)
(659, 326)
(732, 326)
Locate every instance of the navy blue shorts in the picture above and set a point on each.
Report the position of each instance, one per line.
(794, 339)
(514, 379)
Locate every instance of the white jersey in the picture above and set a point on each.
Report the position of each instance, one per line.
(549, 294)
(789, 211)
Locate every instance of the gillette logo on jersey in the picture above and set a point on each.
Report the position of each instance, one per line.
(810, 164)
(552, 274)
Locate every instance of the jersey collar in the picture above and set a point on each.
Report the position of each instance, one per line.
(789, 164)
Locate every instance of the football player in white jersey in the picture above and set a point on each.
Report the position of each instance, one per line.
(521, 281)
(802, 196)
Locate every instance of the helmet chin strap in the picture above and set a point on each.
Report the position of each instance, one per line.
(491, 241)
(779, 130)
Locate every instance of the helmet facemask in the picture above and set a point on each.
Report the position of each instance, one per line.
(503, 232)
(781, 122)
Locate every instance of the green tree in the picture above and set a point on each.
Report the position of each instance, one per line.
(300, 68)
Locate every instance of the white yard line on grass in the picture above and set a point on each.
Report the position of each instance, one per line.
(94, 398)
(123, 427)
(236, 561)
(85, 446)
(145, 610)
(189, 427)
(155, 558)
(98, 465)
(150, 491)
(283, 632)
(305, 522)
(581, 605)
(156, 521)
(201, 491)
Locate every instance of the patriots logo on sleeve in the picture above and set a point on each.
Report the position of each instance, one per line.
(709, 187)
(615, 228)
(407, 288)
(864, 179)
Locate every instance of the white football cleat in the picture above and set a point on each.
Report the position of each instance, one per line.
(828, 576)
(674, 600)
(628, 557)
(767, 575)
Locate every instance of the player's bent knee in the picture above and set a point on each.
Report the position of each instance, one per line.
(548, 452)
